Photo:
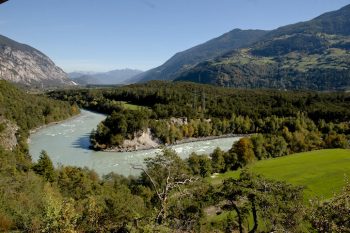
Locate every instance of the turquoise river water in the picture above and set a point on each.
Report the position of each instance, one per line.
(67, 143)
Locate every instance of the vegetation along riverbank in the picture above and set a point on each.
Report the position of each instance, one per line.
(91, 203)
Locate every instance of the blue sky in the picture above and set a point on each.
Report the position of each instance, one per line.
(101, 35)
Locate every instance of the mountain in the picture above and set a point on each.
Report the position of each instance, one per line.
(22, 64)
(309, 55)
(77, 74)
(111, 77)
(185, 60)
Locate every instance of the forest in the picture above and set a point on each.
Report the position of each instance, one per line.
(171, 194)
(29, 111)
(174, 111)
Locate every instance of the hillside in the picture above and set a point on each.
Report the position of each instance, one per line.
(308, 55)
(184, 60)
(21, 112)
(104, 78)
(22, 64)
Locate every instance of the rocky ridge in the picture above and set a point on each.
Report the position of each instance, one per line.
(27, 66)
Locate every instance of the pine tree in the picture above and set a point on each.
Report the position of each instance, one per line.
(44, 167)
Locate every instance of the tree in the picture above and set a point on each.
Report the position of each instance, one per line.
(194, 163)
(205, 166)
(200, 165)
(165, 173)
(244, 150)
(231, 160)
(334, 140)
(218, 160)
(59, 215)
(275, 204)
(259, 149)
(45, 168)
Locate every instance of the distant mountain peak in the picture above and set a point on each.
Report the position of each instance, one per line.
(117, 76)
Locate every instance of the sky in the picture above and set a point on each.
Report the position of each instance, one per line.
(102, 35)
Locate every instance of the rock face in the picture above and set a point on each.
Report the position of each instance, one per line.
(25, 65)
(8, 132)
(142, 141)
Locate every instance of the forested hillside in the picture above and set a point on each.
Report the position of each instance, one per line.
(309, 55)
(185, 60)
(176, 111)
(29, 111)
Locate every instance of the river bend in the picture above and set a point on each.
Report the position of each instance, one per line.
(67, 143)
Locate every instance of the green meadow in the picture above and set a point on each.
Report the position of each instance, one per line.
(130, 106)
(322, 172)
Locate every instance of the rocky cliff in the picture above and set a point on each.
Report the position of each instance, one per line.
(27, 66)
(8, 130)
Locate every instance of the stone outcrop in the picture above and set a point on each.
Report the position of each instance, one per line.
(27, 66)
(8, 131)
(142, 141)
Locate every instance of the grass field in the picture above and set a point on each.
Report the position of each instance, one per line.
(322, 172)
(130, 106)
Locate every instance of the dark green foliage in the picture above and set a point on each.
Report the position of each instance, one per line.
(296, 43)
(77, 183)
(2, 127)
(119, 126)
(258, 146)
(44, 167)
(30, 111)
(177, 111)
(218, 160)
(170, 194)
(200, 165)
(235, 106)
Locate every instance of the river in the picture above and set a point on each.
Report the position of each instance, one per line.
(67, 143)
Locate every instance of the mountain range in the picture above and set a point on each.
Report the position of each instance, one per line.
(27, 66)
(104, 78)
(185, 60)
(308, 55)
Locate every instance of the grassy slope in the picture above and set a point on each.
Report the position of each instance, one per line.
(322, 172)
(130, 106)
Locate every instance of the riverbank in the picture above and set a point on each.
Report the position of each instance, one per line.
(143, 142)
(149, 143)
(33, 131)
(189, 140)
(68, 144)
